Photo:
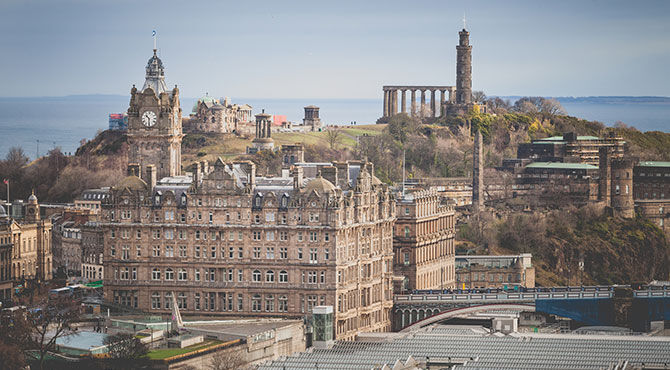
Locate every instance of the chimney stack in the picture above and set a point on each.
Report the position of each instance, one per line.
(151, 176)
(197, 174)
(330, 173)
(297, 173)
(342, 174)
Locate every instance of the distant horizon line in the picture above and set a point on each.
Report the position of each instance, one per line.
(307, 98)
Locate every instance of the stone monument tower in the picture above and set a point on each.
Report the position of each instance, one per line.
(478, 174)
(263, 140)
(312, 120)
(154, 124)
(464, 68)
(616, 182)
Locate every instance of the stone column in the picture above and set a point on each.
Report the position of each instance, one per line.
(394, 108)
(402, 105)
(432, 102)
(386, 103)
(413, 102)
(423, 101)
(442, 100)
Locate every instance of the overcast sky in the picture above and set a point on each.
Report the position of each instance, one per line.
(336, 48)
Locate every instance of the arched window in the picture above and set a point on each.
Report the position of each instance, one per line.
(283, 276)
(284, 201)
(283, 304)
(169, 274)
(256, 275)
(270, 276)
(269, 303)
(156, 274)
(183, 275)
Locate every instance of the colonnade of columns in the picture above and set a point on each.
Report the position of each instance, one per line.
(435, 108)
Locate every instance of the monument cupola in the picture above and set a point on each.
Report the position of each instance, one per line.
(155, 75)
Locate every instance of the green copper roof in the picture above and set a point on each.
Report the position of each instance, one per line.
(561, 165)
(654, 164)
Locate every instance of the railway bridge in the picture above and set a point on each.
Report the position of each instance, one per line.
(633, 307)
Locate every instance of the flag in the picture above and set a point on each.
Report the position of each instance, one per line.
(6, 181)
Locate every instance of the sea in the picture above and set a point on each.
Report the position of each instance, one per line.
(42, 123)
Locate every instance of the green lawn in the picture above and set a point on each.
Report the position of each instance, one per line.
(230, 146)
(163, 353)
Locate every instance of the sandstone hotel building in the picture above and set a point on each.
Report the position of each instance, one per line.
(228, 242)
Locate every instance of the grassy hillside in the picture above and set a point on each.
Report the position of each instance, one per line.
(197, 147)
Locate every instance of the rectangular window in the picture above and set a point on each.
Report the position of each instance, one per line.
(326, 254)
(269, 217)
(197, 251)
(169, 251)
(270, 253)
(231, 252)
(299, 253)
(313, 255)
(313, 236)
(283, 252)
(300, 236)
(182, 251)
(240, 275)
(270, 236)
(257, 252)
(283, 236)
(326, 237)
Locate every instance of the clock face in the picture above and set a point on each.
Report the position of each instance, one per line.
(149, 118)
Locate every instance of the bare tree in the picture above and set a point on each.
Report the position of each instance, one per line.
(229, 359)
(551, 106)
(478, 96)
(333, 136)
(125, 346)
(51, 321)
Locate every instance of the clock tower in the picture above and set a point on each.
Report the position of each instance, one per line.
(154, 124)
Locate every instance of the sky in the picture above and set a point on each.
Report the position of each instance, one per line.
(334, 49)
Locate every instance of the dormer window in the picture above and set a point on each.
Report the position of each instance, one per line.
(183, 199)
(284, 201)
(157, 199)
(258, 201)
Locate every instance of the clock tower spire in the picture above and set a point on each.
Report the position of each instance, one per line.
(154, 124)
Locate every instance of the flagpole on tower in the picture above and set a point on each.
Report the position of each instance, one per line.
(153, 34)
